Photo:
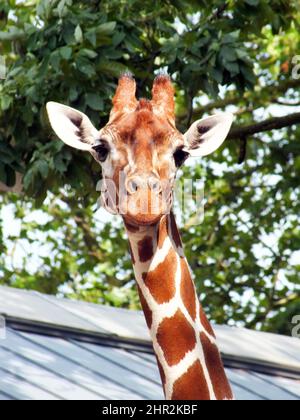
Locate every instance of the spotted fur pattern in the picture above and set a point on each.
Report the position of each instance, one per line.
(183, 339)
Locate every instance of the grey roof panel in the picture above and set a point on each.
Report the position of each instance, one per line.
(13, 387)
(32, 306)
(257, 385)
(92, 359)
(93, 385)
(150, 387)
(244, 394)
(145, 356)
(5, 397)
(116, 321)
(287, 385)
(124, 359)
(41, 378)
(259, 346)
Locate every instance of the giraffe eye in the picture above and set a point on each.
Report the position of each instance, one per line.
(102, 151)
(180, 156)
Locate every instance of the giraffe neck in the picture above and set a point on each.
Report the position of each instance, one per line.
(183, 340)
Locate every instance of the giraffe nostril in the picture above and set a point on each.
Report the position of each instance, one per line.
(155, 185)
(133, 186)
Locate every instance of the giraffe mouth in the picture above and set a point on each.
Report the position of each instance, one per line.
(138, 214)
(146, 209)
(142, 220)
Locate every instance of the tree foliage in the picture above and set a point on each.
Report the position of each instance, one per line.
(234, 55)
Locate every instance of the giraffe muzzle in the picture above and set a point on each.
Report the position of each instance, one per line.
(146, 201)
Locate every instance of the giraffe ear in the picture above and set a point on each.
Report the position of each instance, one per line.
(73, 127)
(207, 135)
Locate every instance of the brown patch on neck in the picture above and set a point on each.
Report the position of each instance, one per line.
(147, 311)
(192, 385)
(162, 232)
(187, 290)
(216, 369)
(161, 281)
(205, 323)
(176, 337)
(174, 232)
(145, 247)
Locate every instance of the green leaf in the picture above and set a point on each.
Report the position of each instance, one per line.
(66, 52)
(94, 101)
(118, 38)
(59, 164)
(217, 75)
(5, 149)
(62, 7)
(55, 60)
(78, 34)
(231, 37)
(228, 53)
(232, 67)
(28, 179)
(106, 28)
(43, 168)
(248, 74)
(7, 158)
(88, 53)
(73, 95)
(85, 66)
(6, 102)
(111, 68)
(91, 36)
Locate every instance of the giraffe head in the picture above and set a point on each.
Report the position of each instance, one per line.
(140, 149)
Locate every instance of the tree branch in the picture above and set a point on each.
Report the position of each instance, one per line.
(267, 125)
(243, 150)
(12, 36)
(219, 12)
(287, 103)
(272, 92)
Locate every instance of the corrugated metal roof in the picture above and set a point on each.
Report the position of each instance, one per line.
(86, 351)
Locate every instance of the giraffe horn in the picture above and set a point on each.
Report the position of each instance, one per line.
(163, 97)
(124, 100)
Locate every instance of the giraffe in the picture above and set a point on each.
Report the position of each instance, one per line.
(140, 151)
